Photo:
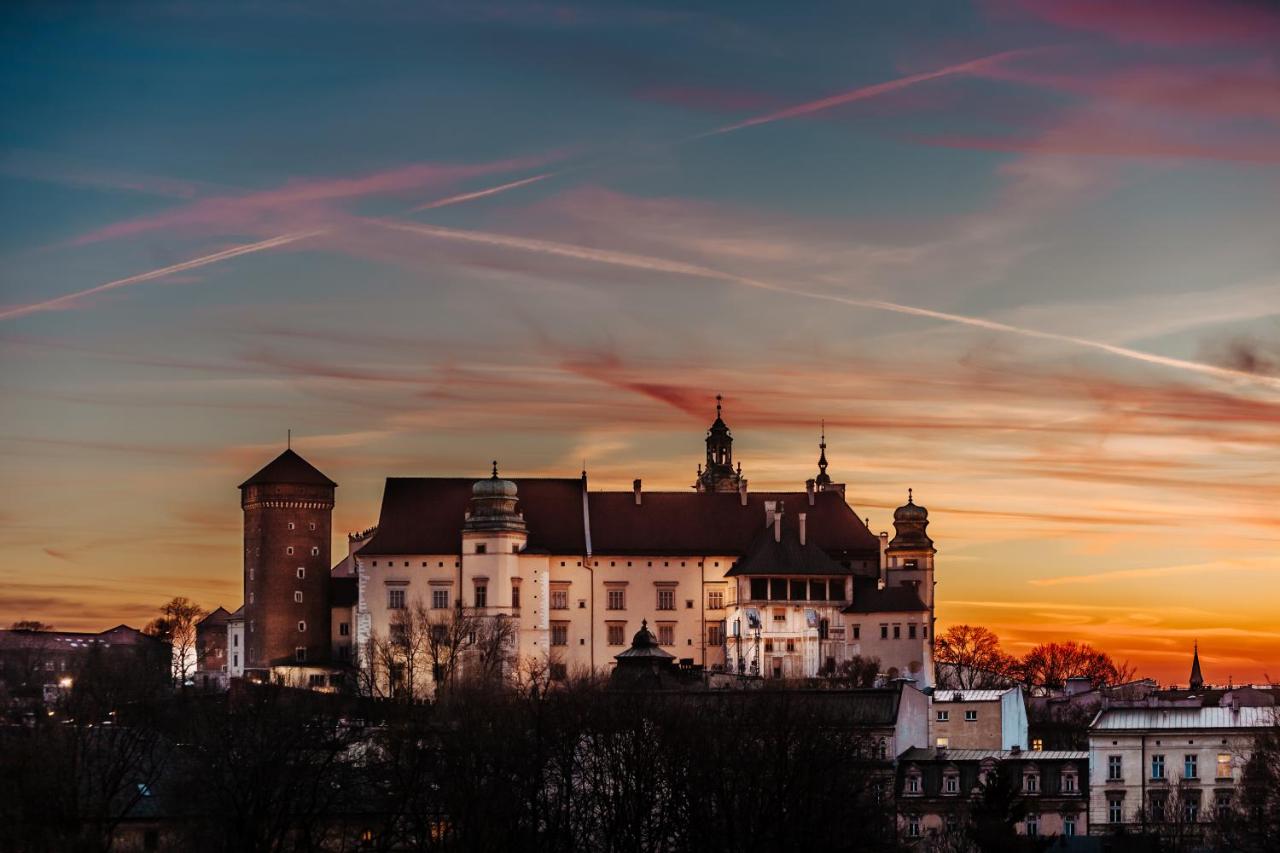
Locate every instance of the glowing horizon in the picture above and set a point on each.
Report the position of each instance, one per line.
(1019, 256)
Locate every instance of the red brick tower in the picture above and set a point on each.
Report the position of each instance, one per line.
(288, 509)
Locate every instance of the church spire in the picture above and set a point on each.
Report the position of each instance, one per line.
(1197, 680)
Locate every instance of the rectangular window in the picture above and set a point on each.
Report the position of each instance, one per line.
(791, 645)
(1031, 783)
(1189, 762)
(715, 634)
(302, 572)
(559, 599)
(302, 627)
(857, 632)
(616, 632)
(235, 641)
(818, 590)
(617, 599)
(913, 826)
(1114, 810)
(1069, 783)
(1224, 765)
(1114, 767)
(970, 716)
(482, 595)
(1037, 744)
(558, 671)
(559, 633)
(897, 632)
(315, 552)
(297, 596)
(799, 590)
(715, 599)
(439, 599)
(952, 784)
(1157, 767)
(884, 632)
(300, 654)
(666, 635)
(344, 629)
(777, 589)
(913, 784)
(1069, 824)
(515, 595)
(759, 589)
(666, 598)
(943, 716)
(942, 742)
(1033, 824)
(1190, 810)
(395, 599)
(836, 590)
(481, 548)
(289, 550)
(911, 631)
(779, 615)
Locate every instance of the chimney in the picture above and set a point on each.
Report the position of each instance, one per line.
(742, 492)
(801, 516)
(777, 523)
(635, 487)
(769, 509)
(1016, 750)
(809, 485)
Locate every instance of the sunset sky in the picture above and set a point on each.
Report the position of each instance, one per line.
(1022, 257)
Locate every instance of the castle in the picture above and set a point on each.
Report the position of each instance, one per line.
(786, 584)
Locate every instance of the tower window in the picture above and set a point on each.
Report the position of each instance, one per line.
(315, 552)
(302, 627)
(344, 629)
(297, 595)
(251, 597)
(311, 526)
(302, 572)
(291, 525)
(289, 550)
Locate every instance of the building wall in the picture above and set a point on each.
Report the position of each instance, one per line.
(1136, 749)
(235, 648)
(286, 529)
(903, 655)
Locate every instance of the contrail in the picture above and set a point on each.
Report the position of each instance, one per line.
(71, 299)
(501, 188)
(863, 93)
(653, 264)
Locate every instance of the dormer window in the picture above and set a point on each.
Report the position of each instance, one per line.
(1031, 782)
(951, 783)
(913, 783)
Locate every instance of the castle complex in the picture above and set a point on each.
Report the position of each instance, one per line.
(786, 584)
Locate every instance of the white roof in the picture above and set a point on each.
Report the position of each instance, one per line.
(970, 695)
(1112, 719)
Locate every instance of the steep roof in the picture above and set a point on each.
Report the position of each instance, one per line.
(786, 556)
(214, 617)
(424, 515)
(867, 598)
(289, 468)
(717, 523)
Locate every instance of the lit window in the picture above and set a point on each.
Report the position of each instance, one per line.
(1037, 744)
(942, 742)
(297, 596)
(1224, 765)
(395, 599)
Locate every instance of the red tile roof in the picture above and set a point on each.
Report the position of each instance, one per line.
(424, 515)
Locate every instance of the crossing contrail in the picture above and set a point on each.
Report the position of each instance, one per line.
(70, 299)
(665, 265)
(500, 188)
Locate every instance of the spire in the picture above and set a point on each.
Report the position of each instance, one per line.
(719, 400)
(1197, 680)
(823, 480)
(718, 474)
(495, 470)
(910, 497)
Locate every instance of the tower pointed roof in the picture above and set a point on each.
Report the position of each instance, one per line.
(1197, 680)
(823, 479)
(289, 468)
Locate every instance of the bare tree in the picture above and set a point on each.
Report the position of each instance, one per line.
(968, 657)
(1051, 664)
(176, 624)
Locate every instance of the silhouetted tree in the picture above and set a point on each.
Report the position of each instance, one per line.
(968, 657)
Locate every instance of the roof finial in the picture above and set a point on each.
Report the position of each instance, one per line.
(910, 497)
(495, 469)
(719, 399)
(288, 440)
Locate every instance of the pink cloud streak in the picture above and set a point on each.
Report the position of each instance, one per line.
(1163, 22)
